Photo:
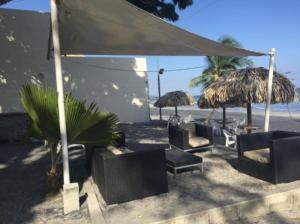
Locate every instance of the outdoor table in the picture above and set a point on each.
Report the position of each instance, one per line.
(220, 121)
(248, 128)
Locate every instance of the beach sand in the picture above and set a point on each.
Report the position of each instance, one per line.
(219, 185)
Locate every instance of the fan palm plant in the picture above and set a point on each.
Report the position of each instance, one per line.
(85, 124)
(217, 65)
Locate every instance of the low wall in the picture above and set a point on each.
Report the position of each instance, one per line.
(13, 126)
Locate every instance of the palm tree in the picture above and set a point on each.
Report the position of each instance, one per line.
(216, 65)
(85, 125)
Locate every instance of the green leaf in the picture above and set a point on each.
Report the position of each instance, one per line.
(216, 65)
(85, 124)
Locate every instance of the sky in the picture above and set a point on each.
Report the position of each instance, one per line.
(258, 24)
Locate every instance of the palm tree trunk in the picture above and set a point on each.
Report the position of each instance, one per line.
(54, 180)
(54, 158)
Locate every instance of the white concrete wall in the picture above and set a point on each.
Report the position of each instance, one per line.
(23, 50)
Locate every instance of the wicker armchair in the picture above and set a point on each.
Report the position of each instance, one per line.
(129, 176)
(193, 137)
(89, 150)
(271, 156)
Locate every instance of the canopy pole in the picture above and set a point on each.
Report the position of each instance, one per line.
(270, 83)
(158, 86)
(60, 91)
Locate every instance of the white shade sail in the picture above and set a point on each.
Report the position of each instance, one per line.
(116, 27)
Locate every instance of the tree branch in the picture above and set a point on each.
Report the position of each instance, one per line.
(2, 2)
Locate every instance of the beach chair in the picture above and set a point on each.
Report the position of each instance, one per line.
(230, 138)
(174, 120)
(217, 131)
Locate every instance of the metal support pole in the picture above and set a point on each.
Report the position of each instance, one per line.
(270, 83)
(60, 91)
(158, 84)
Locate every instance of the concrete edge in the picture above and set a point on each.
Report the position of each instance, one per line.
(248, 209)
(95, 213)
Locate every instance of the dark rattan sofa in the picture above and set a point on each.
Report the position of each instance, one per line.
(129, 176)
(180, 137)
(271, 156)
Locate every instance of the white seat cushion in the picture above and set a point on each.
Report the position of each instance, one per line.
(259, 155)
(198, 142)
(114, 150)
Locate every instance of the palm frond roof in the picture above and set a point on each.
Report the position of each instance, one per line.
(249, 85)
(176, 98)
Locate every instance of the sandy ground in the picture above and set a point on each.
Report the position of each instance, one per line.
(23, 197)
(220, 184)
(23, 166)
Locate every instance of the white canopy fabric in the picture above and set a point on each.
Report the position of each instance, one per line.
(116, 27)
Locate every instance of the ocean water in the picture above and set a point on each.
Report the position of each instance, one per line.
(292, 107)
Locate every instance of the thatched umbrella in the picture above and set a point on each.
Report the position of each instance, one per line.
(245, 86)
(174, 99)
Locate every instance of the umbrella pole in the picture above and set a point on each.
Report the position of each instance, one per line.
(176, 113)
(249, 117)
(70, 191)
(270, 82)
(224, 117)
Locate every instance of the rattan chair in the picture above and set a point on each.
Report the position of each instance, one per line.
(200, 139)
(271, 156)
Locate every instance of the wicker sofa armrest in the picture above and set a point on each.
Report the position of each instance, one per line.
(205, 131)
(285, 157)
(178, 137)
(283, 134)
(121, 141)
(253, 141)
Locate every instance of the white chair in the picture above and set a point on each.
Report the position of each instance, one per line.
(230, 138)
(188, 119)
(216, 127)
(174, 120)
